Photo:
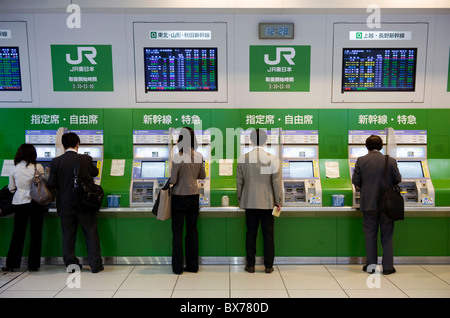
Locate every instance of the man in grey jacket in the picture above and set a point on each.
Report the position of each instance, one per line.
(258, 191)
(369, 177)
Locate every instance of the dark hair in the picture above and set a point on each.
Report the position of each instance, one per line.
(186, 139)
(374, 142)
(26, 152)
(70, 140)
(258, 137)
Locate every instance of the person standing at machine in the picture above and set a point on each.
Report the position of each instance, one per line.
(259, 190)
(369, 177)
(25, 208)
(61, 179)
(187, 167)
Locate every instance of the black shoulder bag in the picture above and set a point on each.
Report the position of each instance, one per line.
(86, 195)
(6, 197)
(392, 203)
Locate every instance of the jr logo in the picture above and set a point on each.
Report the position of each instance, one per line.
(90, 56)
(289, 55)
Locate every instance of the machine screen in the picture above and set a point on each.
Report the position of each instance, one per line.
(356, 152)
(301, 169)
(153, 169)
(410, 169)
(299, 152)
(271, 150)
(46, 152)
(93, 152)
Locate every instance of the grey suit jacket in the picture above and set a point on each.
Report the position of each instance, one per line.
(258, 180)
(369, 176)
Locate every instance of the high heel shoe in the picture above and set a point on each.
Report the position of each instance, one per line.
(7, 269)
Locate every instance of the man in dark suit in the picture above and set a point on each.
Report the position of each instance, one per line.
(369, 177)
(61, 179)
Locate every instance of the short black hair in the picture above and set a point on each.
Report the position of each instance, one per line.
(374, 142)
(70, 140)
(26, 152)
(258, 137)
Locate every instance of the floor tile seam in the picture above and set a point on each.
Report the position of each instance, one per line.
(13, 280)
(335, 279)
(282, 279)
(448, 283)
(123, 281)
(174, 286)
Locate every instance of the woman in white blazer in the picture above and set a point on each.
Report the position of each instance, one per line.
(25, 209)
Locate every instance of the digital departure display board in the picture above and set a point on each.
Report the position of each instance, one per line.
(180, 69)
(381, 69)
(10, 69)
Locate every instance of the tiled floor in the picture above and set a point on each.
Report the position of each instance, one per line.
(229, 281)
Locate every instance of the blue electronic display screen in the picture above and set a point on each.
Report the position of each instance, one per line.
(10, 79)
(382, 69)
(410, 169)
(180, 69)
(301, 169)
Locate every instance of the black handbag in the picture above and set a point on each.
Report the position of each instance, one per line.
(86, 195)
(392, 202)
(6, 197)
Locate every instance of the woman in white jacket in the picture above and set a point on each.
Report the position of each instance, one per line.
(25, 209)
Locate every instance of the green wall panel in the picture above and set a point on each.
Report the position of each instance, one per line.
(421, 236)
(305, 236)
(350, 237)
(222, 236)
(143, 237)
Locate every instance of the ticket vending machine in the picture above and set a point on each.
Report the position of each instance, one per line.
(91, 143)
(272, 145)
(416, 186)
(357, 148)
(44, 142)
(204, 147)
(150, 172)
(300, 168)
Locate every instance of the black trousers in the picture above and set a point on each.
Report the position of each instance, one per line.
(253, 216)
(373, 220)
(185, 207)
(22, 213)
(88, 222)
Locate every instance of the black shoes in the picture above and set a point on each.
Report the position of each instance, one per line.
(365, 270)
(190, 270)
(186, 269)
(250, 269)
(389, 271)
(97, 270)
(385, 271)
(7, 269)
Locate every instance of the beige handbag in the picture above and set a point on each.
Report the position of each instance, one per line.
(163, 205)
(40, 192)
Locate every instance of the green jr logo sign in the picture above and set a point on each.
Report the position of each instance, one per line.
(280, 68)
(82, 68)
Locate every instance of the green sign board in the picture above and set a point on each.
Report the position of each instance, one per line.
(448, 78)
(280, 68)
(82, 68)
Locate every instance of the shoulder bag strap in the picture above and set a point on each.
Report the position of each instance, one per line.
(76, 167)
(386, 170)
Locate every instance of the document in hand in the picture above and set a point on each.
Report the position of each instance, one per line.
(276, 211)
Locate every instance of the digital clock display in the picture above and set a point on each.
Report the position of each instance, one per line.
(276, 30)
